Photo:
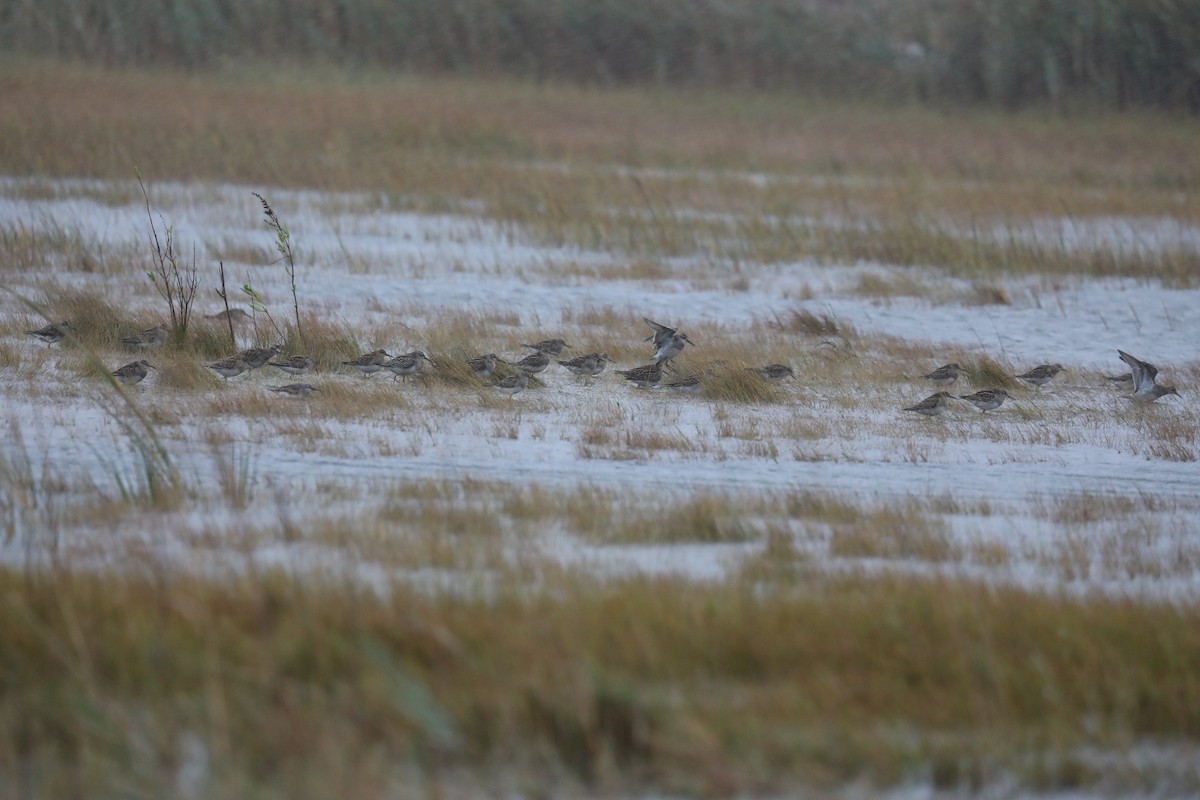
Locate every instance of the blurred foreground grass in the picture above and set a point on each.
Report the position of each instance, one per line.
(277, 684)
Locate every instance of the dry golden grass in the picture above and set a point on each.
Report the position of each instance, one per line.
(27, 247)
(986, 373)
(895, 534)
(343, 690)
(328, 343)
(907, 187)
(181, 371)
(706, 518)
(819, 326)
(736, 384)
(440, 117)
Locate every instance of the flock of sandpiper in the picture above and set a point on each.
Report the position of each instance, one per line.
(1142, 376)
(667, 343)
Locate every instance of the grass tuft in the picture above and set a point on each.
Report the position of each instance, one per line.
(819, 326)
(734, 384)
(986, 373)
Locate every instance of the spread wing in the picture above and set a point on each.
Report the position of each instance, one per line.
(661, 332)
(1143, 372)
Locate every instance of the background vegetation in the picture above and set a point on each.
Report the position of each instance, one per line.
(162, 678)
(1114, 54)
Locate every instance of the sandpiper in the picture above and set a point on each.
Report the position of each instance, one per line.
(151, 337)
(533, 363)
(133, 372)
(237, 315)
(512, 385)
(484, 366)
(369, 363)
(589, 365)
(296, 389)
(257, 357)
(987, 399)
(295, 365)
(1040, 375)
(689, 385)
(661, 333)
(645, 377)
(773, 372)
(229, 367)
(931, 406)
(1145, 390)
(672, 347)
(407, 364)
(52, 333)
(551, 347)
(943, 376)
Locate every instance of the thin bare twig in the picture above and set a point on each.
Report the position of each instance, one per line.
(225, 296)
(174, 283)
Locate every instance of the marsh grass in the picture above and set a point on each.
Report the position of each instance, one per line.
(98, 323)
(150, 477)
(207, 341)
(1165, 433)
(1088, 509)
(340, 397)
(706, 518)
(327, 342)
(891, 285)
(898, 178)
(895, 534)
(817, 326)
(28, 247)
(244, 402)
(987, 373)
(444, 519)
(181, 371)
(451, 370)
(33, 497)
(234, 467)
(334, 681)
(736, 384)
(354, 688)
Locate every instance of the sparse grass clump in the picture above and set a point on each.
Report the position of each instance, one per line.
(207, 341)
(183, 372)
(986, 373)
(97, 322)
(452, 370)
(895, 534)
(706, 518)
(326, 342)
(801, 320)
(10, 355)
(736, 384)
(29, 248)
(893, 285)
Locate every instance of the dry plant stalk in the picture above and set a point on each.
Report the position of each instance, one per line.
(225, 298)
(283, 239)
(176, 283)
